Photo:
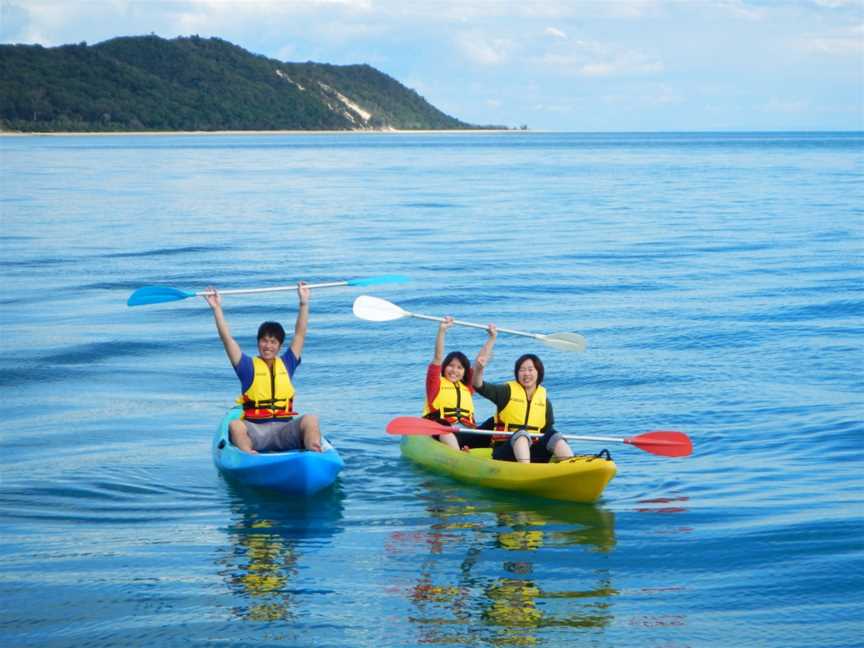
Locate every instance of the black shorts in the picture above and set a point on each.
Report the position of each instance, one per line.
(541, 452)
(465, 438)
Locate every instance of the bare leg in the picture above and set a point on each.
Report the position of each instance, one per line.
(311, 430)
(240, 437)
(449, 440)
(522, 450)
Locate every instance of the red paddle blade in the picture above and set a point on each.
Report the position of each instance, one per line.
(663, 442)
(416, 426)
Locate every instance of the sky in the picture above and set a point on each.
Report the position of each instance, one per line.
(558, 65)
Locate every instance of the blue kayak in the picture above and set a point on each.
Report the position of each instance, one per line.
(296, 472)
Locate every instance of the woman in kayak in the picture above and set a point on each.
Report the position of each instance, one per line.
(269, 422)
(449, 390)
(522, 409)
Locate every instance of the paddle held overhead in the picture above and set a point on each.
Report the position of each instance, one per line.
(666, 443)
(375, 309)
(162, 294)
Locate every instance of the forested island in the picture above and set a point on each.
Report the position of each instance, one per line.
(147, 83)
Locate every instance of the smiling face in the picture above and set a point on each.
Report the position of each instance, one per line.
(454, 371)
(527, 374)
(268, 348)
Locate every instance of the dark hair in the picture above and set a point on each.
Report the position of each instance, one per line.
(463, 360)
(272, 329)
(538, 364)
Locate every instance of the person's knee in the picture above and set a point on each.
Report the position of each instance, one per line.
(237, 428)
(309, 423)
(554, 440)
(520, 438)
(562, 449)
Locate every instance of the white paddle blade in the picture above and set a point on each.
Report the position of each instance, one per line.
(565, 341)
(375, 309)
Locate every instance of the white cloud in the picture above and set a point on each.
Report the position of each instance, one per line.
(596, 70)
(478, 48)
(834, 45)
(557, 33)
(740, 9)
(835, 4)
(630, 9)
(663, 95)
(787, 107)
(594, 59)
(277, 6)
(841, 42)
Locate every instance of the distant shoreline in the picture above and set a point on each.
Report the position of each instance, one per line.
(255, 132)
(445, 131)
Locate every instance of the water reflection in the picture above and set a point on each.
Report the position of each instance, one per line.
(522, 565)
(268, 536)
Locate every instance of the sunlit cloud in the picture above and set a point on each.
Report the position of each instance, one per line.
(557, 33)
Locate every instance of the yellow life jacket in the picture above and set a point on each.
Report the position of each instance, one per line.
(452, 403)
(521, 413)
(271, 394)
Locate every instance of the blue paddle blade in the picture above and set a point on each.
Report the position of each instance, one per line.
(156, 295)
(369, 281)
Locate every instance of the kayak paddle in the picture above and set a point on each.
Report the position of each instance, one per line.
(660, 442)
(375, 309)
(161, 294)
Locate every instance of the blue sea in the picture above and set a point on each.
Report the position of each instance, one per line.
(718, 280)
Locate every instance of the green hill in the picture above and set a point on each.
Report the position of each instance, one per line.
(146, 83)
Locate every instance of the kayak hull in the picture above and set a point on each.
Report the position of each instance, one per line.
(296, 472)
(579, 479)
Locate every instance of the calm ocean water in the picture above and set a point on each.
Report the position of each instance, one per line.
(717, 278)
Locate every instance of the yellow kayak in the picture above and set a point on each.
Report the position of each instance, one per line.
(578, 479)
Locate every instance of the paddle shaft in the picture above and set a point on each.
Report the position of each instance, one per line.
(569, 437)
(247, 291)
(473, 325)
(375, 309)
(667, 443)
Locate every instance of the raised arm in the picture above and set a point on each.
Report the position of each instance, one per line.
(484, 356)
(302, 324)
(438, 357)
(232, 349)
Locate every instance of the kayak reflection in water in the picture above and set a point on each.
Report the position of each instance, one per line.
(449, 390)
(522, 409)
(260, 570)
(269, 422)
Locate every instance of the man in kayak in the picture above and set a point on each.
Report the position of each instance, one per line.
(522, 409)
(269, 422)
